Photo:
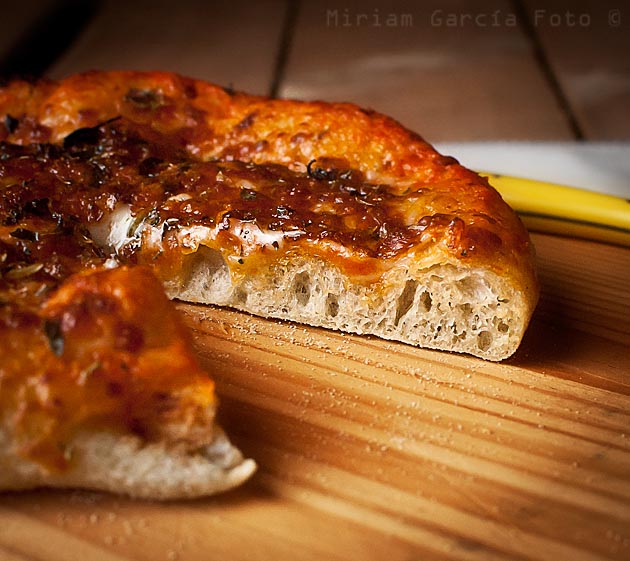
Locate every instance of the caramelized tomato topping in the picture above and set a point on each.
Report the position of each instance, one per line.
(324, 207)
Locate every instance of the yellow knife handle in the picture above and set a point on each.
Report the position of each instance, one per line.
(559, 209)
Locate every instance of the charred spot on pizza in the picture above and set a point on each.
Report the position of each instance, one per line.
(319, 173)
(54, 334)
(25, 234)
(150, 167)
(82, 138)
(190, 89)
(38, 207)
(247, 121)
(11, 123)
(332, 169)
(84, 142)
(12, 216)
(145, 99)
(247, 194)
(129, 337)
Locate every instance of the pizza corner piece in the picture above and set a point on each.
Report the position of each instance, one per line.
(319, 213)
(100, 389)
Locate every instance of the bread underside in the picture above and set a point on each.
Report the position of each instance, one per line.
(126, 464)
(442, 306)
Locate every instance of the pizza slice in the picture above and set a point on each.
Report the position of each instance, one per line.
(99, 389)
(99, 385)
(319, 213)
(116, 186)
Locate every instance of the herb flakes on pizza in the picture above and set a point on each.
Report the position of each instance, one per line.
(319, 213)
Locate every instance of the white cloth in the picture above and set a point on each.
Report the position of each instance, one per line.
(596, 166)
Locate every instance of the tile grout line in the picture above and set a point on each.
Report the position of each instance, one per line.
(545, 67)
(286, 40)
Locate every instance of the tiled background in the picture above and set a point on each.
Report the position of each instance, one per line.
(453, 70)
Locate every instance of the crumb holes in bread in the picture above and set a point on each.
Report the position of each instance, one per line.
(405, 300)
(484, 340)
(332, 305)
(207, 275)
(503, 327)
(426, 301)
(302, 288)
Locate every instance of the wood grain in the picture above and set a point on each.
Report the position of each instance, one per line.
(450, 81)
(380, 451)
(228, 43)
(588, 47)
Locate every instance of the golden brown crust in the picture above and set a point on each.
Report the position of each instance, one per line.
(359, 181)
(106, 350)
(470, 223)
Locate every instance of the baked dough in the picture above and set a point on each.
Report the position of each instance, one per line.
(99, 387)
(320, 213)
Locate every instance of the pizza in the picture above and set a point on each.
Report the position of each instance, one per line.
(99, 386)
(117, 188)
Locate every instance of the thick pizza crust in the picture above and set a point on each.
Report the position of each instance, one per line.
(477, 271)
(480, 279)
(125, 464)
(100, 389)
(467, 284)
(439, 306)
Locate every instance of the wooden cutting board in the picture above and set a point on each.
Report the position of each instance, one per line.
(373, 450)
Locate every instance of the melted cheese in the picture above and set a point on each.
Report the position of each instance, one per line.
(112, 232)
